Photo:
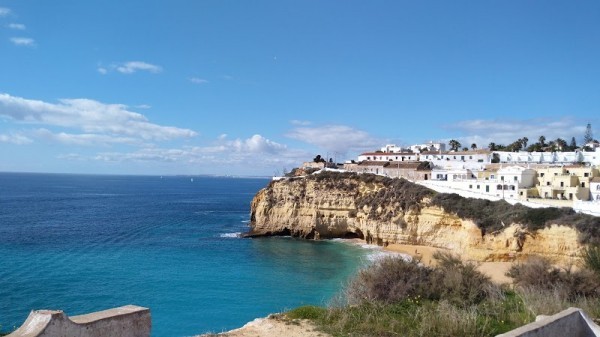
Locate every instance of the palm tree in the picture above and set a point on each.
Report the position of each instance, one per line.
(542, 139)
(454, 145)
(474, 146)
(524, 141)
(492, 146)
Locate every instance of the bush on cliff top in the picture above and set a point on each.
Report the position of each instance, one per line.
(394, 297)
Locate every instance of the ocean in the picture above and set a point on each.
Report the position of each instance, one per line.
(83, 243)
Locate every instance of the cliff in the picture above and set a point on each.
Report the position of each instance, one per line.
(384, 211)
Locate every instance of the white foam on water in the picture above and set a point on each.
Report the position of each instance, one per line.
(230, 235)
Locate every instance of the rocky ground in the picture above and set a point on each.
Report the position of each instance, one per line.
(273, 326)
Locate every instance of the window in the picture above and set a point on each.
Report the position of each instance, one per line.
(562, 184)
(515, 178)
(477, 186)
(470, 157)
(547, 183)
(462, 157)
(492, 176)
(512, 187)
(541, 174)
(499, 187)
(597, 187)
(583, 184)
(586, 174)
(470, 187)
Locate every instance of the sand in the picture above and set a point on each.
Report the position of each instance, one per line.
(495, 270)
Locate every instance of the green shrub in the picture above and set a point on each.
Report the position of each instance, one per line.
(591, 258)
(460, 283)
(307, 312)
(393, 280)
(390, 280)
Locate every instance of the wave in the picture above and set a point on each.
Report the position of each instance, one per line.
(378, 255)
(230, 235)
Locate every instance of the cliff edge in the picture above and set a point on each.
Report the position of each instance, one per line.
(383, 211)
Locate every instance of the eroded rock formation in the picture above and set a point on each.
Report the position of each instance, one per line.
(351, 206)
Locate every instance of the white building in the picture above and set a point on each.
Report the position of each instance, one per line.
(388, 156)
(557, 158)
(393, 148)
(431, 146)
(519, 176)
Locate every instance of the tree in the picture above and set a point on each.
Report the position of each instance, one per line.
(542, 139)
(524, 141)
(588, 137)
(561, 144)
(573, 144)
(454, 145)
(474, 146)
(495, 158)
(465, 149)
(492, 146)
(318, 159)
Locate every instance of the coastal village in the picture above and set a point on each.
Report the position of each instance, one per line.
(555, 175)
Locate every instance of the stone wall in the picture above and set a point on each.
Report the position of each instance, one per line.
(126, 321)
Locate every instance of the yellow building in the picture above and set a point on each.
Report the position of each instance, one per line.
(570, 182)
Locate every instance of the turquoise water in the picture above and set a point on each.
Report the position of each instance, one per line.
(85, 243)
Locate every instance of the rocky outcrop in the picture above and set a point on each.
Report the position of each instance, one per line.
(351, 206)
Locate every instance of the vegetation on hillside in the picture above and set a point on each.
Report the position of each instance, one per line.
(396, 195)
(394, 297)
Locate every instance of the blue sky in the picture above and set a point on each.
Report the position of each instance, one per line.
(252, 87)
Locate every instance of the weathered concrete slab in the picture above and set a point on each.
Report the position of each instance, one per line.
(572, 322)
(126, 321)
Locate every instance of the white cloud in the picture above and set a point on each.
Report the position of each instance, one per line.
(134, 66)
(197, 80)
(17, 26)
(256, 151)
(15, 139)
(23, 41)
(336, 138)
(482, 132)
(102, 70)
(86, 139)
(89, 116)
(143, 106)
(4, 11)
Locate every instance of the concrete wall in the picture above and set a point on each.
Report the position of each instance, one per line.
(571, 322)
(127, 321)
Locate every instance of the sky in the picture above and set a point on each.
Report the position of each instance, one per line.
(257, 87)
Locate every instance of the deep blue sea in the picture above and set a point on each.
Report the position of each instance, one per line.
(83, 243)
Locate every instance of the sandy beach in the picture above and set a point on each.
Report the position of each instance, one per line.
(495, 270)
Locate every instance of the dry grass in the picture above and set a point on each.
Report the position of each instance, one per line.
(398, 298)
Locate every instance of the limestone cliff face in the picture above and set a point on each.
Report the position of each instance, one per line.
(348, 207)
